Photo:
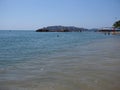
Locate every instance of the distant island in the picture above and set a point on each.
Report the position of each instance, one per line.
(115, 28)
(61, 29)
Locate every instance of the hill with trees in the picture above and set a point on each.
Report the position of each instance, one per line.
(61, 29)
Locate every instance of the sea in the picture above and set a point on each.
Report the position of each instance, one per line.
(32, 60)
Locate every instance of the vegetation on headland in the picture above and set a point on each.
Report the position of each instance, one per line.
(61, 29)
(116, 24)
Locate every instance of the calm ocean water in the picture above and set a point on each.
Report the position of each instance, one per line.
(31, 60)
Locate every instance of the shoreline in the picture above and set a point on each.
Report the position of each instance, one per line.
(91, 66)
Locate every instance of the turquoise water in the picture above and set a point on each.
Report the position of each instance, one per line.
(31, 60)
(18, 46)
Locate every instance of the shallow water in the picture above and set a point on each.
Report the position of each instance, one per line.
(73, 61)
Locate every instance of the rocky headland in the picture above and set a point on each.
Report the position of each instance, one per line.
(61, 29)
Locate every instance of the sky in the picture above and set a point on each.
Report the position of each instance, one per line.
(34, 14)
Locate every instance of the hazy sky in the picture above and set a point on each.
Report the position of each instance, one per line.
(34, 14)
